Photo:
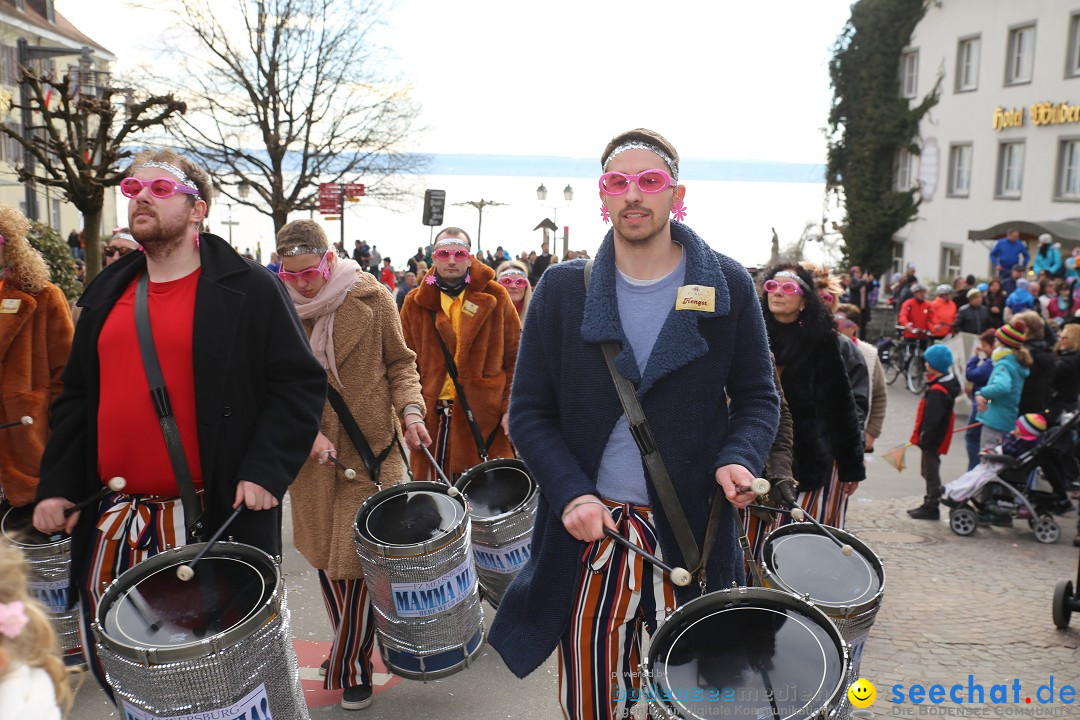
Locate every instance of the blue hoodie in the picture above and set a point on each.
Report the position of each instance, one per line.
(1002, 391)
(1051, 262)
(1020, 300)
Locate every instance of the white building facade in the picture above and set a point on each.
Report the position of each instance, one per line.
(38, 22)
(1001, 148)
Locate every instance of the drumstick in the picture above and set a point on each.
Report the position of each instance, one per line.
(760, 487)
(186, 572)
(451, 491)
(797, 513)
(349, 472)
(24, 420)
(116, 484)
(679, 575)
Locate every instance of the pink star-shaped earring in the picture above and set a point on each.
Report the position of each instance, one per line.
(678, 210)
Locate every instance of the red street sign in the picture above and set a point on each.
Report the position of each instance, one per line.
(330, 196)
(354, 190)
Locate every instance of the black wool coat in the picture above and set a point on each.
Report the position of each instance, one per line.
(259, 394)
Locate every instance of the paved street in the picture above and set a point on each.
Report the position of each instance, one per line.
(953, 606)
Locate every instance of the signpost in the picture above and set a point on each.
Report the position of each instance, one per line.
(332, 200)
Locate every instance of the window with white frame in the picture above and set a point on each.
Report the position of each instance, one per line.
(909, 74)
(905, 170)
(960, 156)
(1010, 175)
(950, 262)
(1021, 58)
(967, 64)
(897, 264)
(1072, 57)
(55, 216)
(1068, 176)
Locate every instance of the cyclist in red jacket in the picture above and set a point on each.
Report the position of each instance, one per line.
(916, 314)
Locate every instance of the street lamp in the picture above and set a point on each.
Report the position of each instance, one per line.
(568, 196)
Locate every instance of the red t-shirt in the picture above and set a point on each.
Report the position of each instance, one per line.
(130, 443)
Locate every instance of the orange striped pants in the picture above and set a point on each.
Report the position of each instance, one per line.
(349, 607)
(618, 596)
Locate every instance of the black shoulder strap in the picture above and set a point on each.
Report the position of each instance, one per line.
(451, 368)
(193, 515)
(371, 461)
(654, 465)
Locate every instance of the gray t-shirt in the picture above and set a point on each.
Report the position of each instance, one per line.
(643, 308)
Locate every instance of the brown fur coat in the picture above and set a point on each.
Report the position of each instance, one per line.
(34, 346)
(485, 355)
(379, 376)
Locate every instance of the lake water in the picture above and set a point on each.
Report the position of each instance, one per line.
(733, 217)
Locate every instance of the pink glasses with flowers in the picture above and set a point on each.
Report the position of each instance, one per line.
(306, 275)
(160, 187)
(648, 181)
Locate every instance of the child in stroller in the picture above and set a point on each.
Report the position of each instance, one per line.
(1002, 486)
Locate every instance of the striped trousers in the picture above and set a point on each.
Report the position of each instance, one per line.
(827, 504)
(349, 607)
(130, 529)
(618, 596)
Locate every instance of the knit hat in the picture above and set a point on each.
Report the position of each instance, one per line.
(983, 287)
(939, 357)
(1031, 426)
(1022, 283)
(973, 292)
(1012, 335)
(1046, 239)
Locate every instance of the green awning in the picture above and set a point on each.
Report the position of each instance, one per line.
(1067, 231)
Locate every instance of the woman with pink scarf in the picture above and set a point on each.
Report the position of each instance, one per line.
(355, 332)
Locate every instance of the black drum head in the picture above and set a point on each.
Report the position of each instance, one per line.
(496, 490)
(17, 527)
(160, 610)
(811, 564)
(411, 518)
(745, 661)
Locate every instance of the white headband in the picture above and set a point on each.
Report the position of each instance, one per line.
(673, 168)
(512, 271)
(453, 240)
(295, 250)
(172, 170)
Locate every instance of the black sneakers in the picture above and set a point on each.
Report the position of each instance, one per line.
(925, 512)
(324, 667)
(356, 697)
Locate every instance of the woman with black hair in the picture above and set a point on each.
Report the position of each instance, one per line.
(828, 443)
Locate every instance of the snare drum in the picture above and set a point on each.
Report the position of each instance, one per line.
(502, 497)
(218, 645)
(413, 542)
(48, 558)
(745, 652)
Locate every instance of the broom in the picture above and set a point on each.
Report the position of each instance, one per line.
(895, 457)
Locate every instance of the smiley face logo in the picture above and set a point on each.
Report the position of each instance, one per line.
(862, 693)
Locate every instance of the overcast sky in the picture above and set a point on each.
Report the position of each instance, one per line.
(722, 80)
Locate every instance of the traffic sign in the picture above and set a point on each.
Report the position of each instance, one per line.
(330, 196)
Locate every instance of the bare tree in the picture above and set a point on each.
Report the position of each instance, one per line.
(285, 95)
(79, 144)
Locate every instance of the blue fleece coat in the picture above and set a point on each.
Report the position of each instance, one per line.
(707, 391)
(1050, 262)
(1003, 391)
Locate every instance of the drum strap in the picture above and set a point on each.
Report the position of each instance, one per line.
(656, 471)
(193, 515)
(371, 461)
(451, 368)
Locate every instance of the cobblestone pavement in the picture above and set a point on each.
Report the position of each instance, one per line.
(953, 606)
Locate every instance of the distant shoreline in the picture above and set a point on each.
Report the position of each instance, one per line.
(542, 166)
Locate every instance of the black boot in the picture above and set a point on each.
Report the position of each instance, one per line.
(925, 512)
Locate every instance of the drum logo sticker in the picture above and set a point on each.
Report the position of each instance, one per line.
(253, 706)
(52, 594)
(507, 559)
(431, 597)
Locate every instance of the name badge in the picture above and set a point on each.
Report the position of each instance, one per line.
(696, 297)
(469, 308)
(10, 306)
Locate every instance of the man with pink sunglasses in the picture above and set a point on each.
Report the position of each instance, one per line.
(461, 305)
(692, 341)
(243, 393)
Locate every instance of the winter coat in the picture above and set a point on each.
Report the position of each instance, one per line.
(379, 379)
(879, 393)
(942, 317)
(824, 416)
(778, 462)
(485, 355)
(1035, 397)
(934, 419)
(1050, 262)
(1066, 383)
(858, 373)
(707, 391)
(974, 320)
(1020, 300)
(996, 301)
(1002, 391)
(34, 345)
(917, 314)
(259, 393)
(978, 372)
(1054, 309)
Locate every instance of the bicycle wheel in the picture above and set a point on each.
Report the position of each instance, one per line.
(916, 374)
(892, 368)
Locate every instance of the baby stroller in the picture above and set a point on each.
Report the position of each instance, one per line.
(1013, 490)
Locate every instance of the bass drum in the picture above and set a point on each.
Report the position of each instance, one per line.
(502, 497)
(745, 652)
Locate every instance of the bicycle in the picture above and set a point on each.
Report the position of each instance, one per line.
(906, 359)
